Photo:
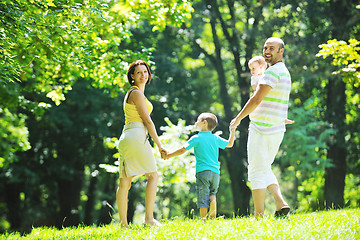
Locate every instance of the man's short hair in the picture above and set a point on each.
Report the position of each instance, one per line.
(277, 40)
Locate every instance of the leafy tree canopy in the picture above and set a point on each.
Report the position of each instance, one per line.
(345, 56)
(54, 42)
(46, 46)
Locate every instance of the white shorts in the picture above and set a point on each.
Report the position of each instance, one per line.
(262, 149)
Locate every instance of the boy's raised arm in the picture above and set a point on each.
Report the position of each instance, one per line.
(175, 153)
(232, 136)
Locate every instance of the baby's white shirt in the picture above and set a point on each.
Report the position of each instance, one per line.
(255, 79)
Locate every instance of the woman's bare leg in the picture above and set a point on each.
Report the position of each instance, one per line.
(150, 195)
(122, 199)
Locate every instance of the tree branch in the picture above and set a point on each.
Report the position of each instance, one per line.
(202, 50)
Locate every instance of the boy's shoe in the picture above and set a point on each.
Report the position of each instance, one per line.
(283, 212)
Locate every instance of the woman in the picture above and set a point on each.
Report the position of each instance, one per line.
(136, 157)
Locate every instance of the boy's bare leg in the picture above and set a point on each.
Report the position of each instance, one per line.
(150, 195)
(122, 199)
(203, 213)
(259, 201)
(274, 189)
(212, 209)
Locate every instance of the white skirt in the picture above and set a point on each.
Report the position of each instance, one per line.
(136, 155)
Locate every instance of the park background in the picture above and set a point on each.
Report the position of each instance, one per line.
(63, 79)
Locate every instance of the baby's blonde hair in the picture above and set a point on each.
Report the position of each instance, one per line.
(259, 59)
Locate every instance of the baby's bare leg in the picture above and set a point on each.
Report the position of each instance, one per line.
(288, 121)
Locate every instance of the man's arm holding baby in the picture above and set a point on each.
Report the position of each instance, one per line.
(254, 101)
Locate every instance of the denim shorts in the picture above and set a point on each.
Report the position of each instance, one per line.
(207, 184)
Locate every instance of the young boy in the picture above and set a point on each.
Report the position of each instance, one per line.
(257, 67)
(206, 148)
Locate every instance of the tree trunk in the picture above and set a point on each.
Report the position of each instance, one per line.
(89, 206)
(237, 171)
(336, 115)
(108, 193)
(237, 161)
(69, 197)
(13, 204)
(335, 175)
(133, 195)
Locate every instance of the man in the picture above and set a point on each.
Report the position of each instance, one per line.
(267, 108)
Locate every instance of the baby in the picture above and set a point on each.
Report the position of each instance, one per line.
(257, 67)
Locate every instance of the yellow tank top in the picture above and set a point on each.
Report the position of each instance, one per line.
(130, 110)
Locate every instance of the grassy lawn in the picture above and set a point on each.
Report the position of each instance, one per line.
(334, 224)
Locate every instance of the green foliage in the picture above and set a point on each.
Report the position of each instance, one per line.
(159, 13)
(352, 191)
(177, 175)
(345, 56)
(180, 168)
(341, 224)
(311, 193)
(47, 46)
(346, 60)
(67, 148)
(59, 41)
(303, 153)
(13, 136)
(305, 142)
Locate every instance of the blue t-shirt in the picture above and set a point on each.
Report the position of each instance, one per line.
(206, 148)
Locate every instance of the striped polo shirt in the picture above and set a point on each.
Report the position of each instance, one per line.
(269, 117)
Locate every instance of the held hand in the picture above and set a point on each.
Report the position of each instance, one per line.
(164, 155)
(234, 123)
(232, 128)
(163, 152)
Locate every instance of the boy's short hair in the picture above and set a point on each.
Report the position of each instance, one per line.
(259, 59)
(211, 120)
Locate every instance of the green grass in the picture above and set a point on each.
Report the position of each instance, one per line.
(334, 224)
